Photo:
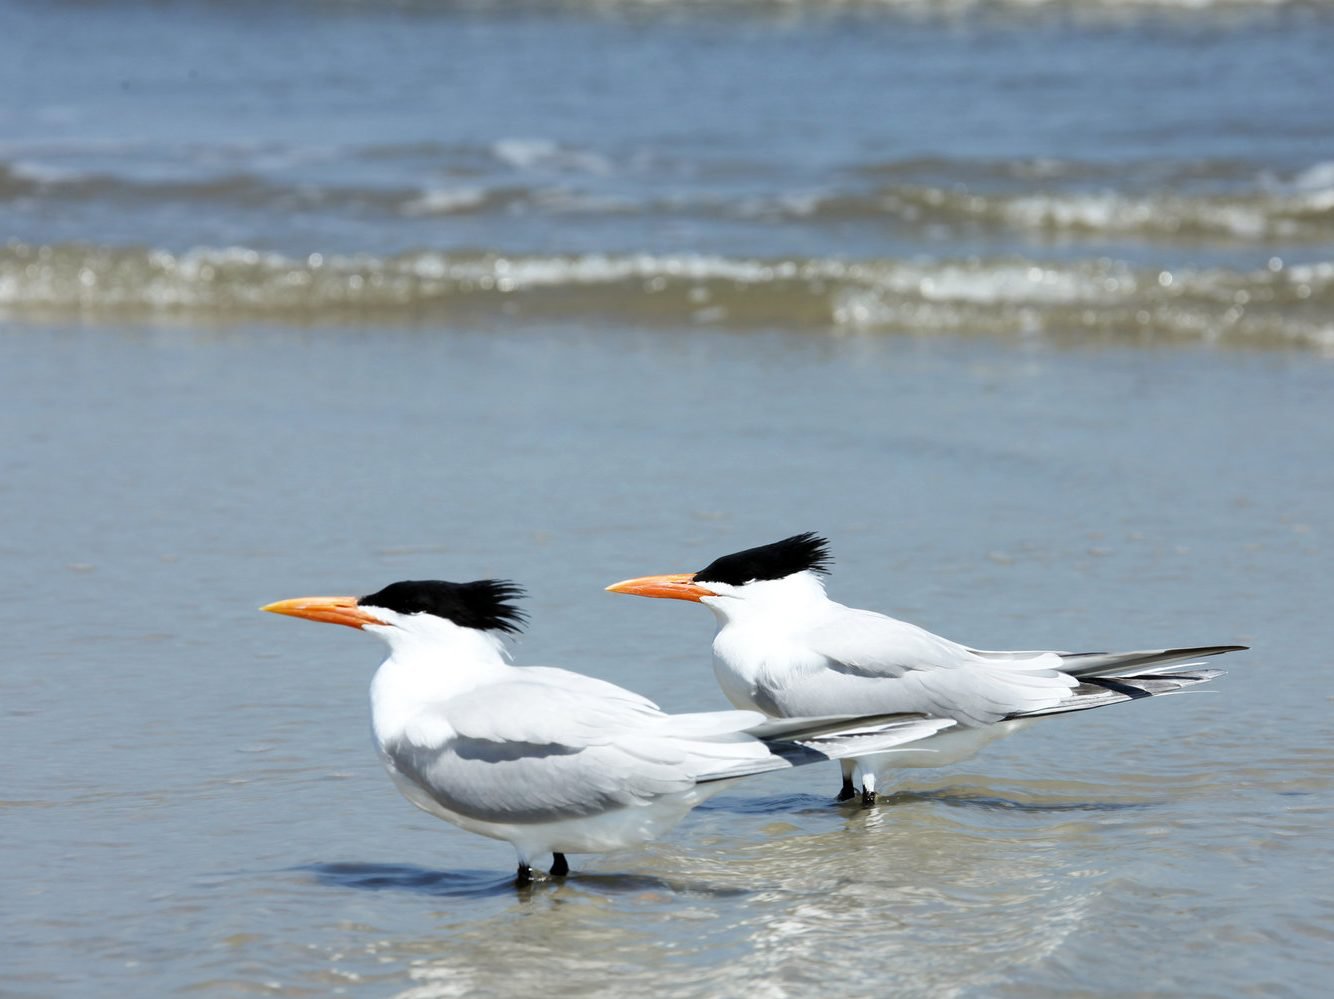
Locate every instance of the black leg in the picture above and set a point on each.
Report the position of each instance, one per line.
(524, 876)
(559, 866)
(868, 798)
(848, 791)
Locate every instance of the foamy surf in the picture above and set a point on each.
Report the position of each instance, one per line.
(1279, 305)
(1186, 203)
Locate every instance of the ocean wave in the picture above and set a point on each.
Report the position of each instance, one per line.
(537, 154)
(1280, 305)
(1051, 200)
(1223, 200)
(17, 181)
(1258, 216)
(40, 182)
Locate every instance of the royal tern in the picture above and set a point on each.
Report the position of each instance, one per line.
(786, 649)
(548, 760)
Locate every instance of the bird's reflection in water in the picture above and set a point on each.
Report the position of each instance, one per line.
(484, 884)
(409, 878)
(937, 899)
(962, 797)
(1069, 798)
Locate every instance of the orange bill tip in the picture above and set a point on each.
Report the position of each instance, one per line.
(332, 610)
(674, 586)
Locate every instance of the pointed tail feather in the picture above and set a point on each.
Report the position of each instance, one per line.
(1098, 691)
(795, 742)
(891, 725)
(1086, 664)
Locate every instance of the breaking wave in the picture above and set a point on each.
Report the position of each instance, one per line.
(1044, 200)
(1279, 305)
(1304, 216)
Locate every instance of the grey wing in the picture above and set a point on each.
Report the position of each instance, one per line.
(887, 665)
(532, 751)
(871, 644)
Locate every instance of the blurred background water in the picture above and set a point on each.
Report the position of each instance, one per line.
(1027, 306)
(1127, 169)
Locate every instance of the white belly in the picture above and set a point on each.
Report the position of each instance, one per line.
(954, 745)
(614, 829)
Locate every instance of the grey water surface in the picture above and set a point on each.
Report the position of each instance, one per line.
(192, 803)
(1026, 306)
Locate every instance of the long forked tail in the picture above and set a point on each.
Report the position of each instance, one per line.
(1097, 691)
(795, 742)
(1086, 664)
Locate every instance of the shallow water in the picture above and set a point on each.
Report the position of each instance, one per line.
(309, 297)
(192, 803)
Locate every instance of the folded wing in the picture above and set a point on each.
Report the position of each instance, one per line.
(899, 666)
(545, 745)
(889, 665)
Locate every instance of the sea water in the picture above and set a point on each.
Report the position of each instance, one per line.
(1006, 300)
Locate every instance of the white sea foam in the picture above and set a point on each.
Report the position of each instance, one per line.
(42, 173)
(1319, 178)
(1276, 304)
(789, 204)
(445, 201)
(1118, 213)
(534, 154)
(1279, 212)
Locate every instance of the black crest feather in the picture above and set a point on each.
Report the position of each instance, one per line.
(485, 604)
(801, 552)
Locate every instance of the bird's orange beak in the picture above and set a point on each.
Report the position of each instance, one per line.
(333, 610)
(677, 586)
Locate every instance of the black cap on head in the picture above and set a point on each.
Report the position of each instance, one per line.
(801, 552)
(486, 604)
